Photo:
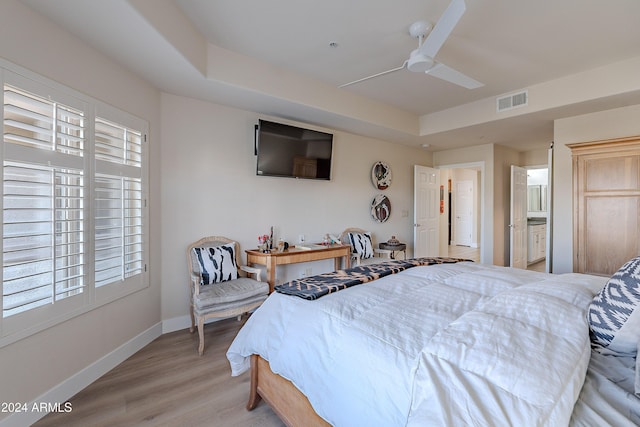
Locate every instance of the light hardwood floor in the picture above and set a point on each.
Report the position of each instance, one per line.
(168, 384)
(464, 252)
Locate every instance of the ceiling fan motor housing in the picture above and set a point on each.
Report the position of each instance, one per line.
(419, 62)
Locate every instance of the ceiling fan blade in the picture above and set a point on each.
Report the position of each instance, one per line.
(443, 28)
(443, 72)
(404, 64)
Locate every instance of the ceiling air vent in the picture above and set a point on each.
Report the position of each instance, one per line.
(508, 102)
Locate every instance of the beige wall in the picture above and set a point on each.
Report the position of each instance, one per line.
(495, 182)
(210, 187)
(617, 123)
(534, 158)
(32, 366)
(481, 157)
(503, 159)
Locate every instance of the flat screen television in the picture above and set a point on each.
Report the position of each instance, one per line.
(293, 152)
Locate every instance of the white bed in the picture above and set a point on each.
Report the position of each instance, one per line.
(450, 344)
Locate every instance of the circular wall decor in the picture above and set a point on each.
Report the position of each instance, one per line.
(381, 175)
(380, 208)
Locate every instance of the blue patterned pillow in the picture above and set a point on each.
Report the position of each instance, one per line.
(361, 244)
(637, 382)
(614, 314)
(217, 264)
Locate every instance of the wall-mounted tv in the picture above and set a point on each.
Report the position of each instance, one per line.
(290, 151)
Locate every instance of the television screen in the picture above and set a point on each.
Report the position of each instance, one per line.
(290, 151)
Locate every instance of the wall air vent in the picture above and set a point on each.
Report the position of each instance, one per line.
(514, 100)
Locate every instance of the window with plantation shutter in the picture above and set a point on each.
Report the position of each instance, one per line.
(119, 202)
(43, 230)
(74, 211)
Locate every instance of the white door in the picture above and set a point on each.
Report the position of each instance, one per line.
(426, 213)
(518, 218)
(463, 215)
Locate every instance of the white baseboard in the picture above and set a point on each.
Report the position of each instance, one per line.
(179, 323)
(69, 387)
(176, 324)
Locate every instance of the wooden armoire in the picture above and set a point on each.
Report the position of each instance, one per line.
(606, 191)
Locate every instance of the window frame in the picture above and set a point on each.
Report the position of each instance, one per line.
(31, 321)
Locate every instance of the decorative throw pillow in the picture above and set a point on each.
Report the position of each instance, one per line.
(614, 314)
(637, 382)
(217, 264)
(361, 244)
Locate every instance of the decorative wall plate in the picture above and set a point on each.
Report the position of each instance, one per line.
(381, 175)
(380, 208)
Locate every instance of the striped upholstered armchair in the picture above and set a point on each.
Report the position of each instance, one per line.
(220, 286)
(363, 247)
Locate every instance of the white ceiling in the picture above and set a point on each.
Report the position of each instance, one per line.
(507, 45)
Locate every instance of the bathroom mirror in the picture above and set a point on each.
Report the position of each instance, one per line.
(537, 198)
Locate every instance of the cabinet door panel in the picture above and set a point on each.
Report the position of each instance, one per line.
(612, 173)
(611, 233)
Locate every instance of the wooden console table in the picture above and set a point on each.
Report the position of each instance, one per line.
(295, 255)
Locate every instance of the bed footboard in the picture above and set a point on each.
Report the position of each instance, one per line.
(281, 395)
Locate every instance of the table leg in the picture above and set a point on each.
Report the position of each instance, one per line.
(271, 273)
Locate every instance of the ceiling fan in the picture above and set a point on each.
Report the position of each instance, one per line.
(421, 59)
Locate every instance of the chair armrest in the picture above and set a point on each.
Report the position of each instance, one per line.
(196, 279)
(252, 270)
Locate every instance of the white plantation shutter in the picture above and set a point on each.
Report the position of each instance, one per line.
(43, 241)
(43, 202)
(118, 202)
(74, 231)
(29, 120)
(118, 144)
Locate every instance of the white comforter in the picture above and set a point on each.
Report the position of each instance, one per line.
(452, 344)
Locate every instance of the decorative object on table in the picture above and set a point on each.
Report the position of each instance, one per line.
(264, 243)
(380, 208)
(271, 238)
(393, 241)
(282, 245)
(381, 175)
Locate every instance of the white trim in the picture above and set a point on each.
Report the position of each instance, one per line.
(75, 383)
(181, 322)
(176, 324)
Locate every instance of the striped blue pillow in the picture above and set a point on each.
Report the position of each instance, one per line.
(217, 264)
(614, 314)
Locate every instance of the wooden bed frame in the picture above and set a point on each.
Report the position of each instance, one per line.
(281, 395)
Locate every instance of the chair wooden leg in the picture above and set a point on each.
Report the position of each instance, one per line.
(193, 320)
(201, 335)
